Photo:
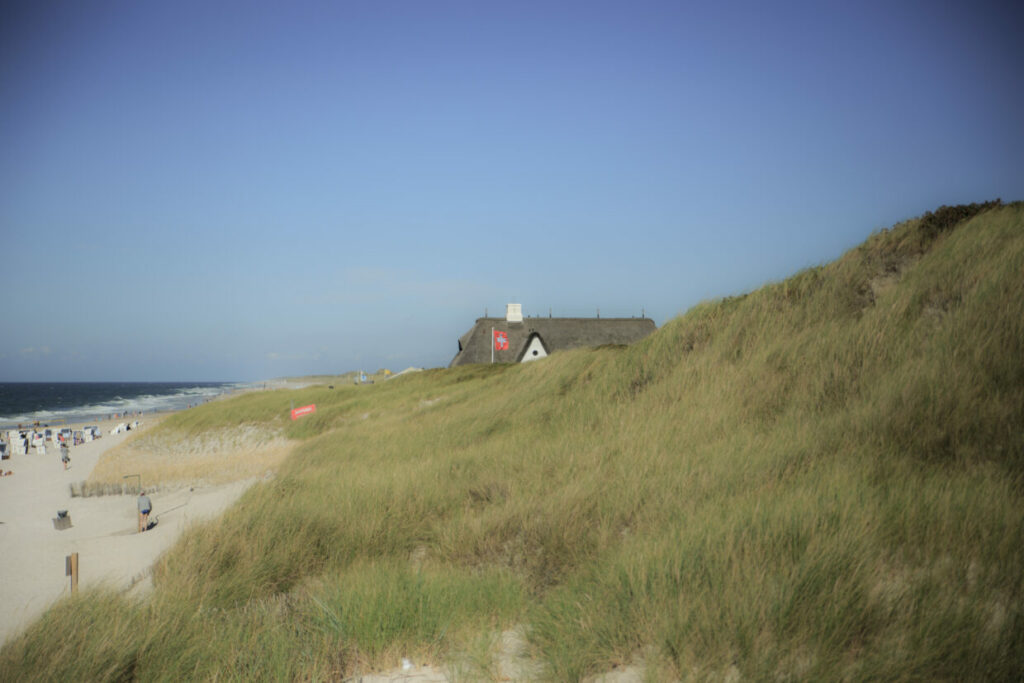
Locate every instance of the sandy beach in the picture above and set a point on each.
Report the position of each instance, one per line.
(103, 531)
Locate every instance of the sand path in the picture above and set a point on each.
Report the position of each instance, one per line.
(103, 531)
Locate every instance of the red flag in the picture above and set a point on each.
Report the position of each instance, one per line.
(500, 340)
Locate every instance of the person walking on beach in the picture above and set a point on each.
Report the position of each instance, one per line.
(65, 457)
(145, 507)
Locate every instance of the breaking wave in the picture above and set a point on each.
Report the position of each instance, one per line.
(55, 402)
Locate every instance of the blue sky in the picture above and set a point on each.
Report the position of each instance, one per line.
(241, 191)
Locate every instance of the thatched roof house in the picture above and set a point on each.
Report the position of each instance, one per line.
(517, 340)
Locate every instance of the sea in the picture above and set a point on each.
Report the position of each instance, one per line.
(51, 403)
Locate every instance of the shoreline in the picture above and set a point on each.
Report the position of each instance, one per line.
(136, 407)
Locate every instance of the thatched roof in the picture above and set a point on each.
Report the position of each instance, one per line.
(556, 334)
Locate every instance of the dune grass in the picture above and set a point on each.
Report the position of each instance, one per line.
(820, 480)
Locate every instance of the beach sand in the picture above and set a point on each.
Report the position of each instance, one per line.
(103, 531)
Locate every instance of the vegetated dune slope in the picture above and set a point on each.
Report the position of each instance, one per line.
(819, 480)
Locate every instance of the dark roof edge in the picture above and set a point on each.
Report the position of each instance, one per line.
(544, 317)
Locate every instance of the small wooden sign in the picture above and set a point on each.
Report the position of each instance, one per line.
(71, 569)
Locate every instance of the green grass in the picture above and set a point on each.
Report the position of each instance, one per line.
(819, 480)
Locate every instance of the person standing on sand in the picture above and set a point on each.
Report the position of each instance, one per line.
(145, 507)
(64, 456)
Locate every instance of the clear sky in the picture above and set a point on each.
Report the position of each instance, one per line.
(246, 190)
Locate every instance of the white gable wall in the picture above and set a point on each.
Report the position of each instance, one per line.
(534, 350)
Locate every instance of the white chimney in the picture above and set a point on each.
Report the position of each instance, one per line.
(514, 313)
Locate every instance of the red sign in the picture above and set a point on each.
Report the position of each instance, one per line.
(304, 410)
(500, 340)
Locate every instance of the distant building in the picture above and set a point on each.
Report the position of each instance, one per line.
(518, 340)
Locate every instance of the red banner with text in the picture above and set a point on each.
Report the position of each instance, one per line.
(304, 410)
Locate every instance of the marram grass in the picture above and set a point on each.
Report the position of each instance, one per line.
(820, 480)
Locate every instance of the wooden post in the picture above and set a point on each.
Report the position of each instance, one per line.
(71, 569)
(138, 484)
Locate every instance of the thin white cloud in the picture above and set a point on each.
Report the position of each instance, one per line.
(362, 285)
(278, 356)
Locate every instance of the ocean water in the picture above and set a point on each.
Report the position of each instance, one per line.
(70, 402)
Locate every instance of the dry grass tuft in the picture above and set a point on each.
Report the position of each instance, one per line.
(167, 457)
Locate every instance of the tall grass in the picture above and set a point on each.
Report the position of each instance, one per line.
(821, 479)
